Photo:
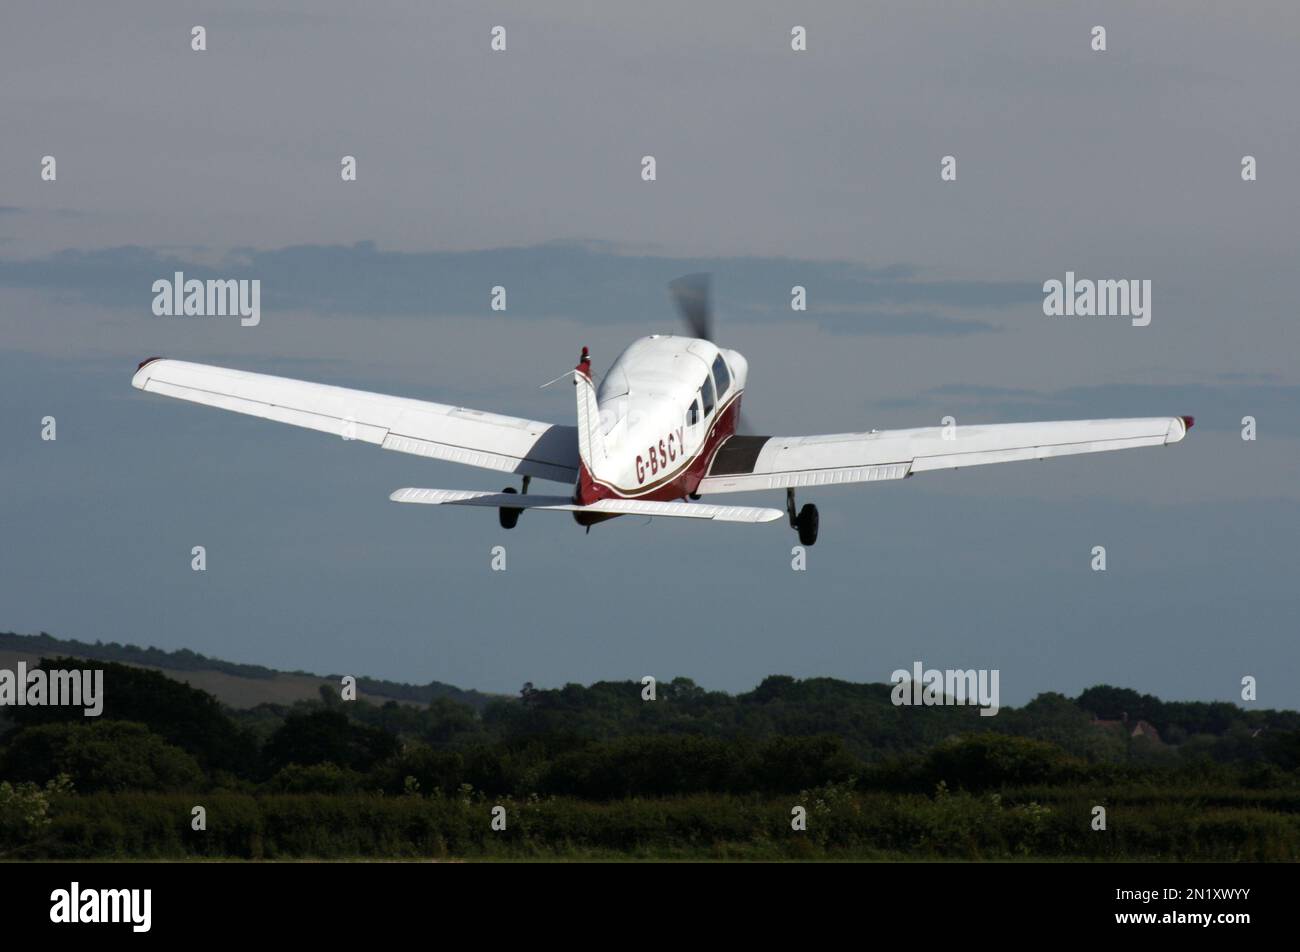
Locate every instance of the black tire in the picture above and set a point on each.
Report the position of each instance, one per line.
(509, 517)
(808, 522)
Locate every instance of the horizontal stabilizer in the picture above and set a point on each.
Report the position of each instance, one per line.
(625, 507)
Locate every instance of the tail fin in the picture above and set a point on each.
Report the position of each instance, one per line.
(591, 441)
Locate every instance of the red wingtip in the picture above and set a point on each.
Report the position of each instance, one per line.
(147, 360)
(1188, 422)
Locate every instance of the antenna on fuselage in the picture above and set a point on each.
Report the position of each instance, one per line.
(584, 365)
(564, 376)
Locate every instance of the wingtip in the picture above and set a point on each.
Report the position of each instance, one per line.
(139, 378)
(1177, 436)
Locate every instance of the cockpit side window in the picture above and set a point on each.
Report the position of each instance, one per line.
(721, 375)
(693, 413)
(707, 395)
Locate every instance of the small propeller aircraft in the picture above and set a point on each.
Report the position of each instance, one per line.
(658, 433)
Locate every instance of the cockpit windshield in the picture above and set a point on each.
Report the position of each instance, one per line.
(721, 375)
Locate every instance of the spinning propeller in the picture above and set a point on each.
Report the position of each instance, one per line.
(691, 295)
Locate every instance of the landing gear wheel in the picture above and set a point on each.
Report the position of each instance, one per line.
(509, 517)
(807, 524)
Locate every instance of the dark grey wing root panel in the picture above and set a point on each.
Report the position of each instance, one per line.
(737, 456)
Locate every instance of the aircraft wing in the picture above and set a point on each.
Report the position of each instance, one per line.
(472, 437)
(745, 463)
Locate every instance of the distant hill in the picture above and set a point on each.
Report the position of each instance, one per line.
(236, 685)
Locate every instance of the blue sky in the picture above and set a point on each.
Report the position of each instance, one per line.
(522, 169)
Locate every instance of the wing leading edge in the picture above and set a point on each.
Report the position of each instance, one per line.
(746, 463)
(456, 434)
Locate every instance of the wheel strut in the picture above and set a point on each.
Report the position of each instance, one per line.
(805, 522)
(508, 516)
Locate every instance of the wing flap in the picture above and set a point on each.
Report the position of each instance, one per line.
(435, 430)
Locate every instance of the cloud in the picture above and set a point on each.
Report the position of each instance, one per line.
(896, 324)
(589, 282)
(68, 213)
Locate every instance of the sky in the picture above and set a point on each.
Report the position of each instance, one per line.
(522, 168)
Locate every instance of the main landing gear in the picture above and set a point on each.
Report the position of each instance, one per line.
(510, 517)
(806, 522)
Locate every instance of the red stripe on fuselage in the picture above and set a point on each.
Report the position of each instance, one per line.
(684, 481)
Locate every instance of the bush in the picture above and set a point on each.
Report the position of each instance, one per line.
(988, 761)
(24, 811)
(316, 778)
(841, 823)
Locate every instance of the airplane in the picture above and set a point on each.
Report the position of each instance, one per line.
(659, 432)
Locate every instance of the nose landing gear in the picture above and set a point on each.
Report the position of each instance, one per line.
(510, 517)
(806, 522)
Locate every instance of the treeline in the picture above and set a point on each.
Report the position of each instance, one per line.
(571, 763)
(186, 660)
(606, 742)
(182, 660)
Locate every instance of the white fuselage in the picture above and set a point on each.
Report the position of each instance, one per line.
(666, 403)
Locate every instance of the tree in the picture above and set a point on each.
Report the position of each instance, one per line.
(101, 756)
(328, 737)
(184, 716)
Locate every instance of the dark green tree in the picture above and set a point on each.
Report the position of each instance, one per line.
(101, 756)
(328, 736)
